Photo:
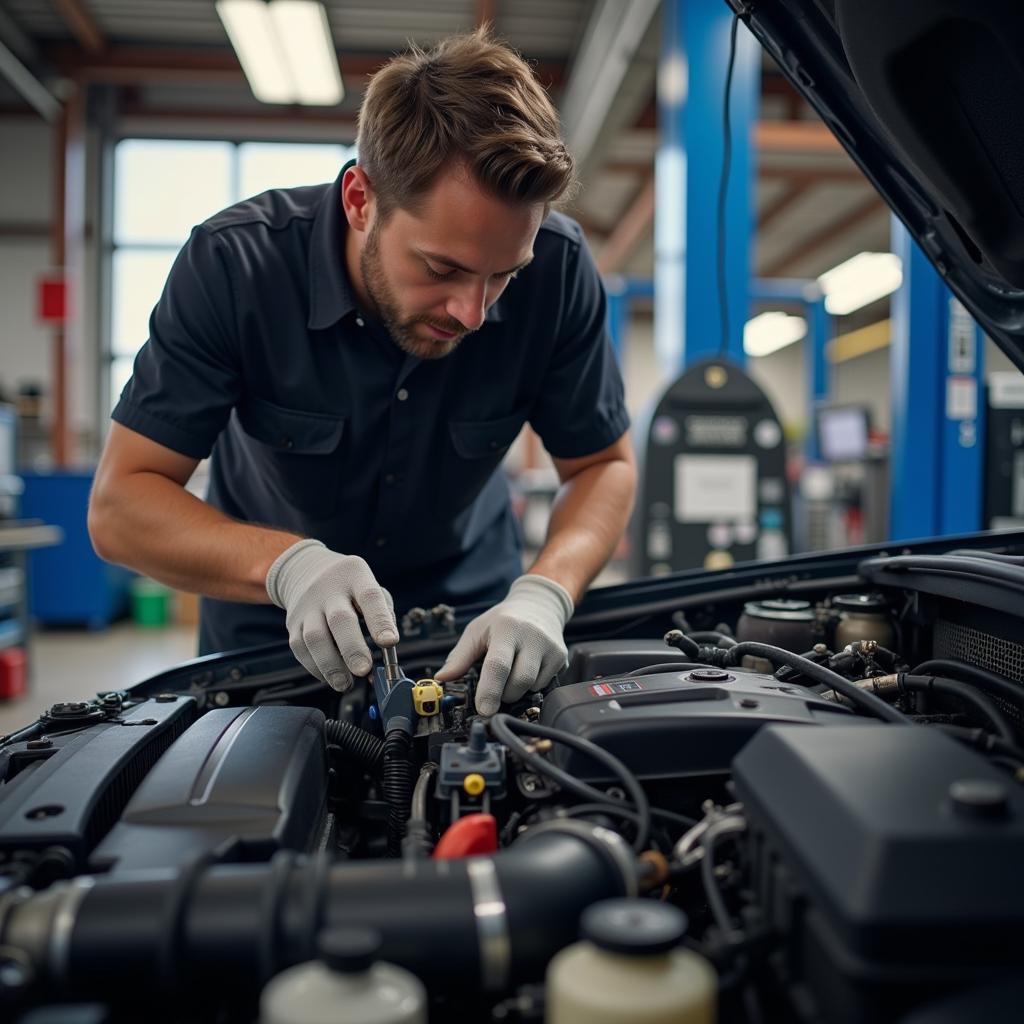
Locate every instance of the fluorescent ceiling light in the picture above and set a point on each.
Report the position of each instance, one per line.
(860, 280)
(769, 332)
(305, 36)
(285, 49)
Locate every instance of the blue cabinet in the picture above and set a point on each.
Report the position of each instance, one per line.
(70, 584)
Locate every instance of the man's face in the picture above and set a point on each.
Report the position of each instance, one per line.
(433, 274)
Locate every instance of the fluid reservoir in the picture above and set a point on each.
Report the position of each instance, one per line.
(630, 969)
(783, 622)
(862, 617)
(347, 985)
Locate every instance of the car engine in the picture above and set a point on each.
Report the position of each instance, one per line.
(816, 767)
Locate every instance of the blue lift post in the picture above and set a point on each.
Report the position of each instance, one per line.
(937, 371)
(808, 294)
(621, 292)
(691, 93)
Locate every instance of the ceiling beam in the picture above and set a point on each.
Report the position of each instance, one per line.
(609, 42)
(258, 115)
(19, 42)
(82, 24)
(133, 65)
(486, 12)
(869, 207)
(790, 195)
(628, 231)
(28, 86)
(812, 175)
(771, 172)
(795, 137)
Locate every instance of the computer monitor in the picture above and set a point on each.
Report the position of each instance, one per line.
(843, 432)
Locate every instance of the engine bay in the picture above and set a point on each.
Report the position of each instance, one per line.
(818, 764)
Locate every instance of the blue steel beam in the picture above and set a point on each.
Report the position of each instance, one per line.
(691, 93)
(819, 330)
(936, 459)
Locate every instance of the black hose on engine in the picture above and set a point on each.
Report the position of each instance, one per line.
(820, 674)
(357, 743)
(497, 920)
(397, 786)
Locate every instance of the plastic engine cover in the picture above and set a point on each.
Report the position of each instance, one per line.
(253, 778)
(890, 856)
(676, 724)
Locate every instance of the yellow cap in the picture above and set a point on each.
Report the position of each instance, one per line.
(474, 784)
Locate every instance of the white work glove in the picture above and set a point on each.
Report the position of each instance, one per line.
(324, 593)
(522, 638)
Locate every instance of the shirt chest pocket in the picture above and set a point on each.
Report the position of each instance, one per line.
(297, 453)
(477, 448)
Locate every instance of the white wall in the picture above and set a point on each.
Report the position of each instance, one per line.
(25, 200)
(26, 346)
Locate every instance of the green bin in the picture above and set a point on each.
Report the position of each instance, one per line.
(151, 603)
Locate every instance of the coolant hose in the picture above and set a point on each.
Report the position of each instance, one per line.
(487, 921)
(357, 743)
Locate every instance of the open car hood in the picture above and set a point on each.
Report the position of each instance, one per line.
(925, 95)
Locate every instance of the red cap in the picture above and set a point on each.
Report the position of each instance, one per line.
(467, 837)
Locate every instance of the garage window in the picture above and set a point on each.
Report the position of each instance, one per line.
(161, 189)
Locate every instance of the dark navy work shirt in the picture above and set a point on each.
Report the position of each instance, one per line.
(317, 423)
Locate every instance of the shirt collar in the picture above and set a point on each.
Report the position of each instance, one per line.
(330, 292)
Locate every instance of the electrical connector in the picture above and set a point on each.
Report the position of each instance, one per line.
(426, 697)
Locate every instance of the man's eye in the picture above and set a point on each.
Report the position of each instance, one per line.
(437, 275)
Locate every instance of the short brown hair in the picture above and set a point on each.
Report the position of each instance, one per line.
(472, 99)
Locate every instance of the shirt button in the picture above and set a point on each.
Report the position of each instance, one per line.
(360, 321)
(381, 541)
(402, 394)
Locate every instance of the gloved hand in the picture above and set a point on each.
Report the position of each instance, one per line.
(522, 638)
(324, 593)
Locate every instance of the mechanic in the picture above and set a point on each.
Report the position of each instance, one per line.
(356, 358)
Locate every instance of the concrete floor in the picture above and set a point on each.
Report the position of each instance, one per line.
(74, 664)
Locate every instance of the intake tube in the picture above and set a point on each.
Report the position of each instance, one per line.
(230, 928)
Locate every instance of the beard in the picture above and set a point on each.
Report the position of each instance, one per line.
(403, 329)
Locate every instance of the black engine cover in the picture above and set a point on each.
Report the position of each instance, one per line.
(250, 778)
(676, 724)
(890, 857)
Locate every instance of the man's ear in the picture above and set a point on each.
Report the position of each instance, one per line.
(357, 198)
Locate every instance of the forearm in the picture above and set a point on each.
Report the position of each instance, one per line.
(153, 525)
(588, 519)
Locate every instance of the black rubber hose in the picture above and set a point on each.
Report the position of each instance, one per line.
(776, 655)
(504, 729)
(240, 924)
(984, 741)
(418, 841)
(982, 678)
(713, 636)
(966, 694)
(357, 743)
(397, 786)
(681, 642)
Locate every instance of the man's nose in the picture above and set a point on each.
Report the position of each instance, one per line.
(468, 304)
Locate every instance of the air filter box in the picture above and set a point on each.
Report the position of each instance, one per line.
(890, 857)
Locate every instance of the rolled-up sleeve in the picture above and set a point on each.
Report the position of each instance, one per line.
(186, 377)
(581, 408)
